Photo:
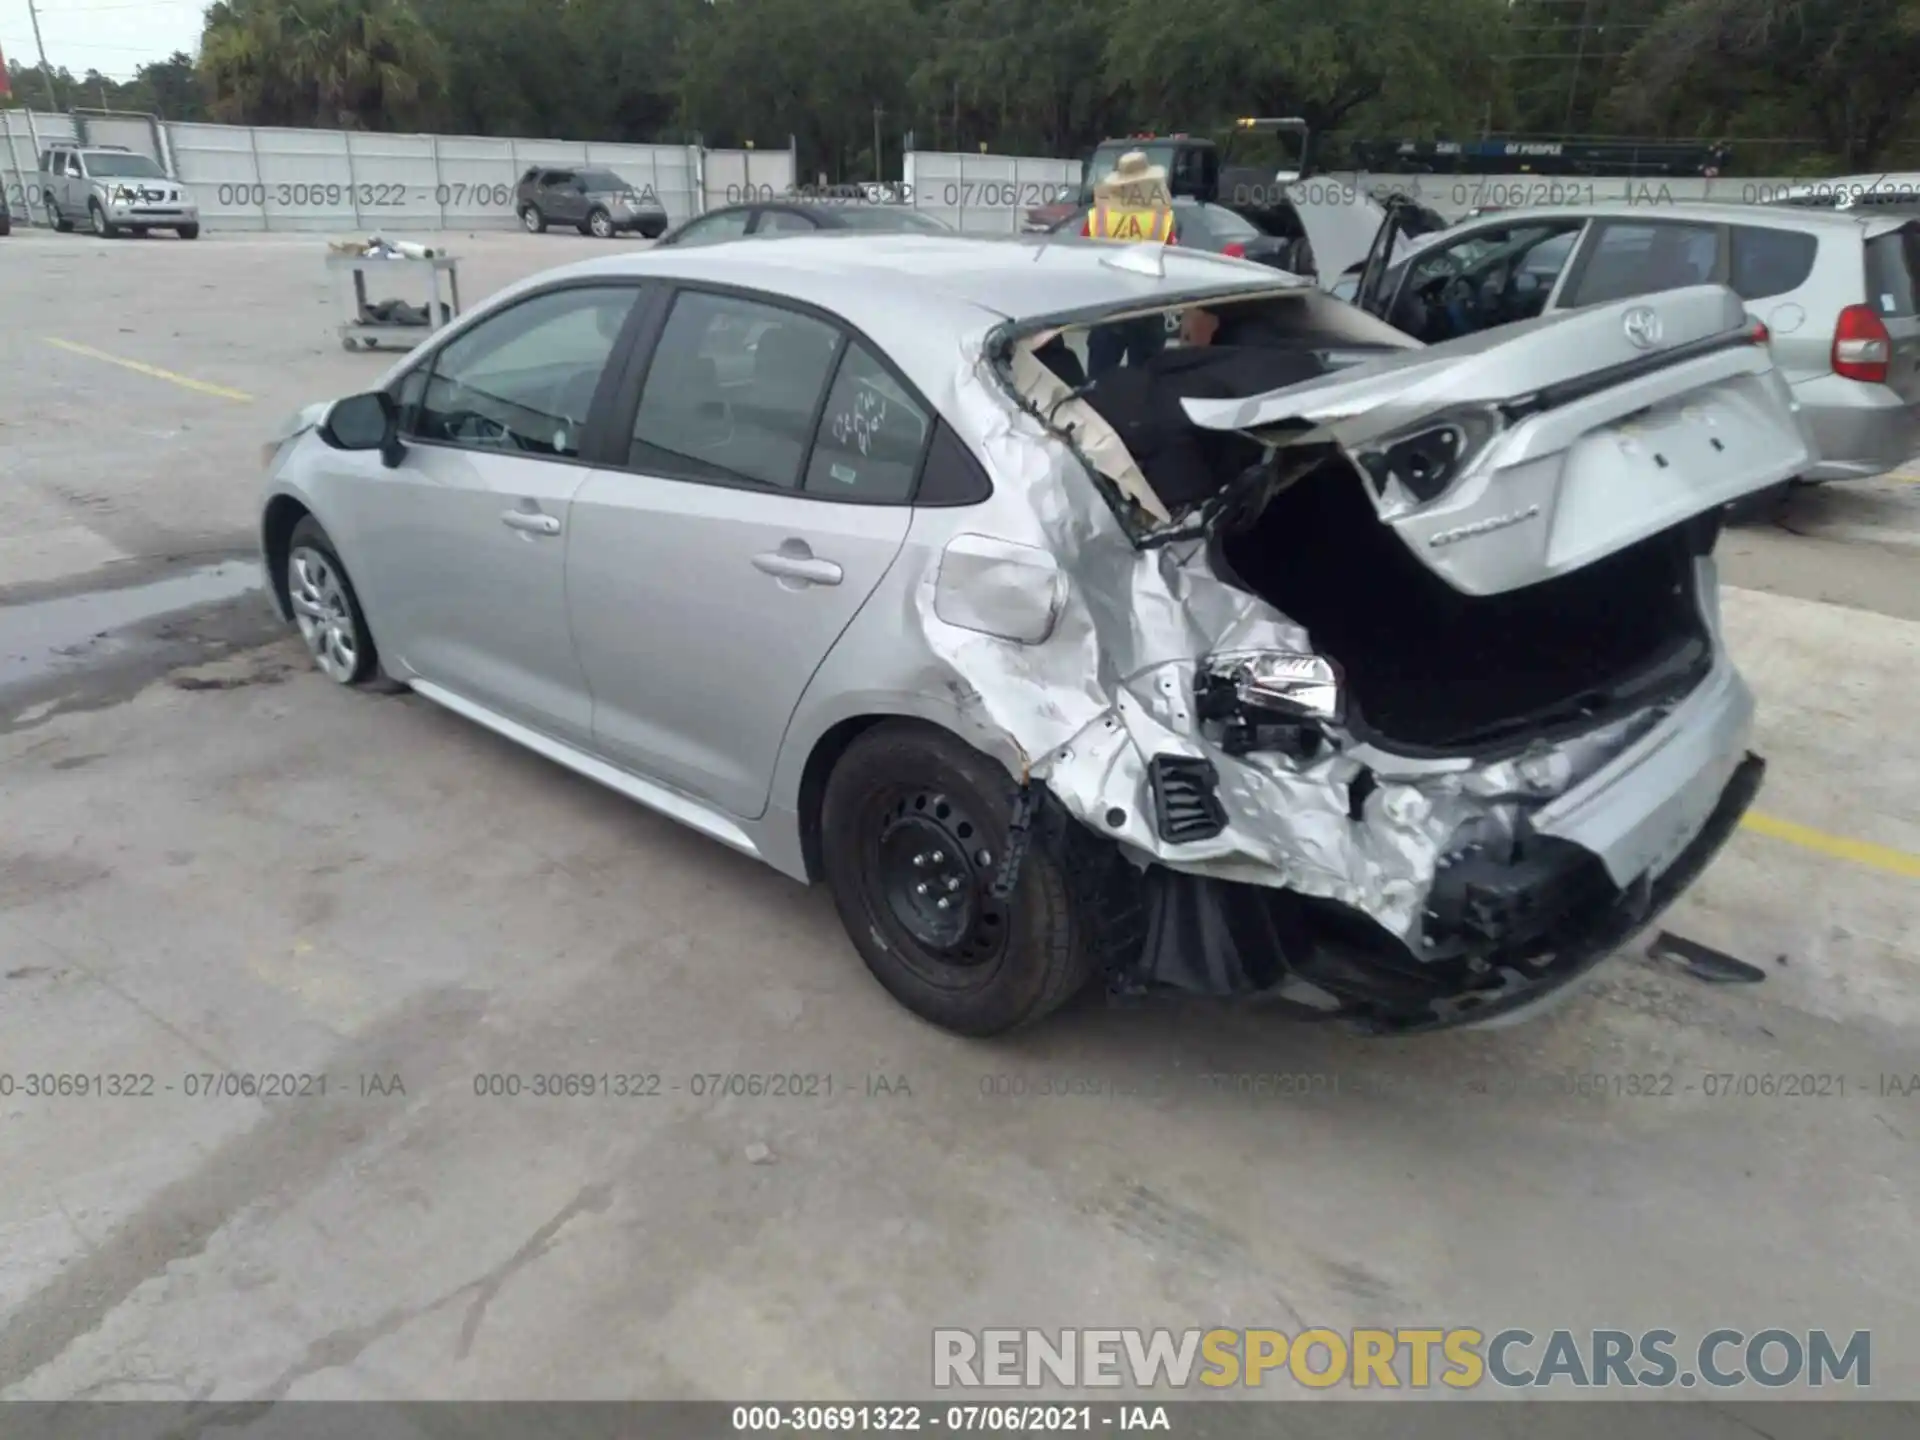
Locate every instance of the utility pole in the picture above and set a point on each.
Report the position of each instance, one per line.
(45, 69)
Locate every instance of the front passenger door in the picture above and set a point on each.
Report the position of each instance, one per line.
(766, 492)
(466, 537)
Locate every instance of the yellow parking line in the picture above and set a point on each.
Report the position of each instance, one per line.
(1838, 847)
(185, 381)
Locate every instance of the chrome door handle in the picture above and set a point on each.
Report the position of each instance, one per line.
(531, 521)
(794, 565)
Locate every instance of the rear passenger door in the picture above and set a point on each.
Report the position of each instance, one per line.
(766, 490)
(1768, 265)
(560, 199)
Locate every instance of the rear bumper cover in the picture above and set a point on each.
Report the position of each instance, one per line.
(1505, 941)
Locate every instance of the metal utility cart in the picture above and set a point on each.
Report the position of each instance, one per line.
(357, 331)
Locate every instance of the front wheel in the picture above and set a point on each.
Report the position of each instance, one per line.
(188, 232)
(102, 226)
(325, 607)
(533, 220)
(914, 827)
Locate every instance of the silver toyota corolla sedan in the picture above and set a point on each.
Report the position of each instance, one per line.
(1295, 660)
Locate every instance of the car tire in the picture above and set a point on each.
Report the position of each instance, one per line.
(102, 226)
(188, 232)
(532, 220)
(139, 232)
(325, 608)
(653, 232)
(912, 815)
(600, 224)
(57, 220)
(6, 224)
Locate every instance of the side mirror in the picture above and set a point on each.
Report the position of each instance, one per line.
(363, 422)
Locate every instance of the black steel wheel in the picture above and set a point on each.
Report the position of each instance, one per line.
(914, 828)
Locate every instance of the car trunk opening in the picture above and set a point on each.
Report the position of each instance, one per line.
(1427, 667)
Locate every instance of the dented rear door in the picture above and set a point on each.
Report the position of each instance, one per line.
(1508, 457)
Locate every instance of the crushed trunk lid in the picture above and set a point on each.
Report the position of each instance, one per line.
(1530, 450)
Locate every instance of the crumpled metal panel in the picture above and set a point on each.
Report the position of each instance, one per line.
(1113, 686)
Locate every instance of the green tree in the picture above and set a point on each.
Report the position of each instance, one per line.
(1841, 70)
(761, 70)
(350, 64)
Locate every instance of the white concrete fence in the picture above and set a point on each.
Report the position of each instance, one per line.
(255, 177)
(991, 194)
(267, 178)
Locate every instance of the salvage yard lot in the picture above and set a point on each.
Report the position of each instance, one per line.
(213, 862)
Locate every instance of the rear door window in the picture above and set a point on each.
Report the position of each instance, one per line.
(1893, 261)
(871, 435)
(733, 391)
(1768, 262)
(1629, 257)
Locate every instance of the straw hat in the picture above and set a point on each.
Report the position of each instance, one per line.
(1136, 182)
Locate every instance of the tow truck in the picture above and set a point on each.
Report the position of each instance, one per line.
(1196, 167)
(1330, 227)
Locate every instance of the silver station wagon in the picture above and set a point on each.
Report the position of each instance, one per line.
(1379, 681)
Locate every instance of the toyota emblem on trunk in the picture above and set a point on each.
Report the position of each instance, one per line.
(1642, 326)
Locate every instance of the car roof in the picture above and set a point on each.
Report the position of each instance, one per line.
(1704, 212)
(914, 293)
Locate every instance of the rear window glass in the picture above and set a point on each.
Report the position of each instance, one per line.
(1770, 262)
(1892, 262)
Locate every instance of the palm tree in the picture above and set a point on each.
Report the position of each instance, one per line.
(350, 64)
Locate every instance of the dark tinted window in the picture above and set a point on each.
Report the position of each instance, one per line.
(1631, 258)
(871, 435)
(524, 380)
(601, 180)
(953, 475)
(1770, 262)
(896, 218)
(726, 225)
(783, 222)
(732, 391)
(1893, 263)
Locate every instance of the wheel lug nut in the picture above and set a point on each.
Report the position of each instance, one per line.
(941, 902)
(939, 858)
(953, 883)
(921, 888)
(920, 859)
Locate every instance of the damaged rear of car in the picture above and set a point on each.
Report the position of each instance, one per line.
(1416, 702)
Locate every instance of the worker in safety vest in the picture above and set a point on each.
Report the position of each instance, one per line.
(1131, 206)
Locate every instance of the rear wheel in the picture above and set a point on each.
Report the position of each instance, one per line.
(600, 225)
(914, 827)
(325, 607)
(533, 220)
(56, 219)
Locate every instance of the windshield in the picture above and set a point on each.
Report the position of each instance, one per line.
(601, 180)
(116, 164)
(891, 217)
(1228, 224)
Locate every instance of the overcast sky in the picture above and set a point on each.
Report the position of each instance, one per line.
(114, 37)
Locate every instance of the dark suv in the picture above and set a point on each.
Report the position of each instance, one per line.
(592, 200)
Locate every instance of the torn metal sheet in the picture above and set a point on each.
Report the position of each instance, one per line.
(1114, 686)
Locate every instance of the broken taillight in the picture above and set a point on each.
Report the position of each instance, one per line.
(1862, 346)
(1760, 335)
(1235, 249)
